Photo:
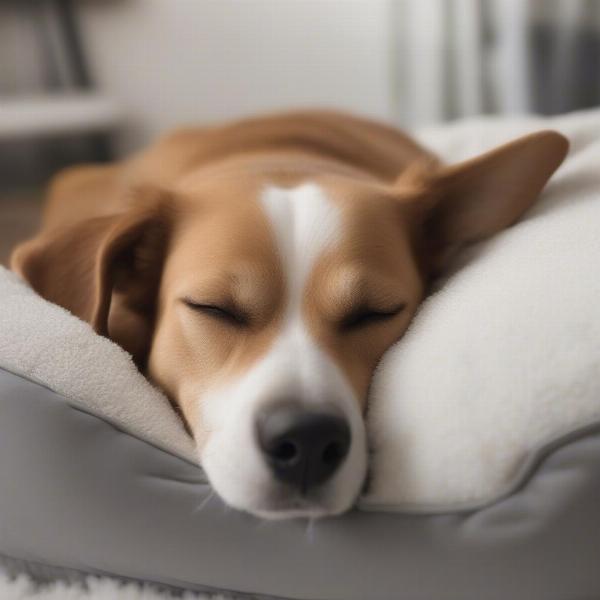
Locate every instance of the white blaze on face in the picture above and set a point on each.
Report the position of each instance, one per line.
(305, 223)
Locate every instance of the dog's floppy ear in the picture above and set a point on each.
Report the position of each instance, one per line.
(475, 199)
(105, 266)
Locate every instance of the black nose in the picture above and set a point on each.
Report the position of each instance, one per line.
(302, 448)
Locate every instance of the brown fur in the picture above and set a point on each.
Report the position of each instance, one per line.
(123, 245)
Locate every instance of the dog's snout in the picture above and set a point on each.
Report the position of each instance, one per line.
(302, 448)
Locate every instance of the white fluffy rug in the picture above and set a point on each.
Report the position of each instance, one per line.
(95, 588)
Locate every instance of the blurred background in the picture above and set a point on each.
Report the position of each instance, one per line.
(91, 80)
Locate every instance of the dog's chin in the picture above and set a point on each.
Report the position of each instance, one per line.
(297, 507)
(293, 512)
(268, 499)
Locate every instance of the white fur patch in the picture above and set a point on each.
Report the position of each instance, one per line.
(304, 224)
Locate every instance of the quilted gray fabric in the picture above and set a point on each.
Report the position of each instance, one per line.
(79, 495)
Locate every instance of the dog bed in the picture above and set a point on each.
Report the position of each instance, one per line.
(484, 422)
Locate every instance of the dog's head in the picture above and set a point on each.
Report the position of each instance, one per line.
(262, 302)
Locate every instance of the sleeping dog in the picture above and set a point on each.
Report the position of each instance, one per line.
(257, 271)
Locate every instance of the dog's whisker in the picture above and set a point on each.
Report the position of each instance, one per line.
(204, 503)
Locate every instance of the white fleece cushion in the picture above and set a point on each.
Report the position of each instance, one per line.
(45, 343)
(502, 360)
(505, 357)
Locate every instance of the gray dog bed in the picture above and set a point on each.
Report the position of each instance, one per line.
(484, 422)
(81, 496)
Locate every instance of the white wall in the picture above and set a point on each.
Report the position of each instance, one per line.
(175, 61)
(20, 51)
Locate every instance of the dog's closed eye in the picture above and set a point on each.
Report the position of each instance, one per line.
(364, 316)
(226, 313)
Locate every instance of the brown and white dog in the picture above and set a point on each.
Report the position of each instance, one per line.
(257, 271)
